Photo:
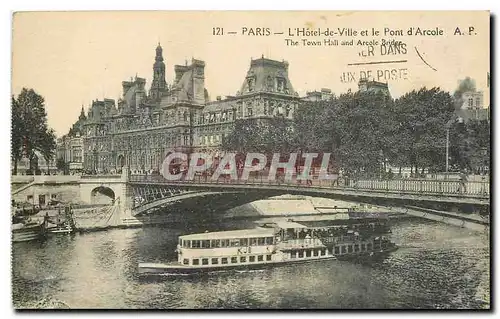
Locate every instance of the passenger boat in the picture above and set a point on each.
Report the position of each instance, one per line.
(271, 245)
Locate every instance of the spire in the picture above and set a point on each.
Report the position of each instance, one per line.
(82, 114)
(159, 53)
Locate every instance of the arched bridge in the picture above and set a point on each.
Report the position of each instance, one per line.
(148, 193)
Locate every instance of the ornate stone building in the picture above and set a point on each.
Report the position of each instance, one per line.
(316, 96)
(365, 85)
(473, 107)
(141, 128)
(69, 148)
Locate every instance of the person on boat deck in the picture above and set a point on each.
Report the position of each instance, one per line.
(308, 238)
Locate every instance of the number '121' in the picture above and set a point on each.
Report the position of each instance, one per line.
(217, 31)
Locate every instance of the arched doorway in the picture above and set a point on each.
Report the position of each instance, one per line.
(102, 195)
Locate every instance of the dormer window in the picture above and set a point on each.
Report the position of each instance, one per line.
(269, 84)
(251, 84)
(281, 84)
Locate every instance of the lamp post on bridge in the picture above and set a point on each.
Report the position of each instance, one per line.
(448, 126)
(447, 148)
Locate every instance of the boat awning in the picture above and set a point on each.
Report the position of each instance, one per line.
(231, 234)
(288, 225)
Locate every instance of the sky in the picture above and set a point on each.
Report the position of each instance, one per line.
(72, 58)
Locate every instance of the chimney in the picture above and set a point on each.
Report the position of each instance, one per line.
(326, 94)
(179, 71)
(126, 86)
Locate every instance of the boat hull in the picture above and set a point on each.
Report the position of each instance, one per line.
(27, 234)
(175, 268)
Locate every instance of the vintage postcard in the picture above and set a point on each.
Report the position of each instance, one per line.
(251, 160)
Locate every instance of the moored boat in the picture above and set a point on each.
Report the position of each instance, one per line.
(271, 245)
(27, 231)
(62, 223)
(61, 229)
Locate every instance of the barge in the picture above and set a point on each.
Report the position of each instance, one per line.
(28, 231)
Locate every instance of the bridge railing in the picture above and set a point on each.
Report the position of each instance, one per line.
(100, 176)
(405, 186)
(474, 188)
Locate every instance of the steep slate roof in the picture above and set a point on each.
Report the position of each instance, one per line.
(264, 74)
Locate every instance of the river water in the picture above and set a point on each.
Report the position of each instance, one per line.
(436, 266)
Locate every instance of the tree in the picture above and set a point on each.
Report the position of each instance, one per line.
(246, 136)
(17, 129)
(61, 165)
(421, 119)
(47, 147)
(278, 135)
(470, 145)
(266, 136)
(362, 130)
(311, 126)
(362, 122)
(30, 131)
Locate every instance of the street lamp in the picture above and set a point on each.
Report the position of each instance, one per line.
(95, 161)
(448, 126)
(447, 148)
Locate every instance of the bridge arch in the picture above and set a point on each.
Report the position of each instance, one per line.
(102, 195)
(201, 199)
